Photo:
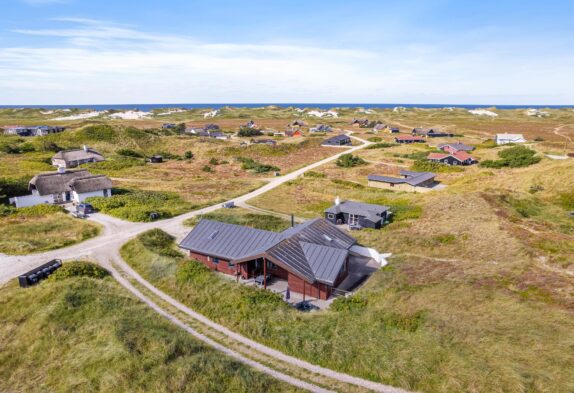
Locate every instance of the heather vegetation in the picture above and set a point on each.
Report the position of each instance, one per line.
(78, 331)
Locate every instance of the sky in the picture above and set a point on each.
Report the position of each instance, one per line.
(505, 52)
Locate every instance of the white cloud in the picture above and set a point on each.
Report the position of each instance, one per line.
(102, 62)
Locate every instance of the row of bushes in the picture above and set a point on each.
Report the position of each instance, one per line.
(31, 211)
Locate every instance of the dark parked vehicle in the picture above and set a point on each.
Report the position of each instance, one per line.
(85, 208)
(305, 306)
(78, 214)
(33, 276)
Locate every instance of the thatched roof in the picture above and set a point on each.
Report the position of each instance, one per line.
(78, 155)
(80, 181)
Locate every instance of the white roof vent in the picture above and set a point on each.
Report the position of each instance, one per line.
(337, 201)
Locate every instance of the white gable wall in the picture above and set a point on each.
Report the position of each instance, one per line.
(82, 197)
(31, 200)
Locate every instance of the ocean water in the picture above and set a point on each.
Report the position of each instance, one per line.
(323, 106)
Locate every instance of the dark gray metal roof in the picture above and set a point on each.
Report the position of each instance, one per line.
(314, 250)
(369, 211)
(325, 262)
(457, 146)
(410, 177)
(228, 241)
(336, 139)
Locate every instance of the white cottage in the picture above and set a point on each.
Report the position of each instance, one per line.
(503, 139)
(64, 186)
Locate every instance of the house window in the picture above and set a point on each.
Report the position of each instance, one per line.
(271, 265)
(392, 184)
(215, 260)
(330, 216)
(230, 264)
(105, 192)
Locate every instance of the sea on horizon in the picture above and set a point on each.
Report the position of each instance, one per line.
(323, 106)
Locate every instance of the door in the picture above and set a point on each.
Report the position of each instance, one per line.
(353, 219)
(68, 198)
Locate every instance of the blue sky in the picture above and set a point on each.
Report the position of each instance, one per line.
(368, 51)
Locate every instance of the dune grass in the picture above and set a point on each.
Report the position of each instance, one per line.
(42, 228)
(81, 334)
(243, 217)
(418, 324)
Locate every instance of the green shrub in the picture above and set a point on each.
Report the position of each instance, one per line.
(247, 132)
(349, 303)
(382, 145)
(129, 153)
(348, 184)
(79, 269)
(207, 168)
(375, 139)
(98, 133)
(488, 144)
(213, 161)
(12, 187)
(257, 167)
(349, 160)
(513, 157)
(314, 174)
(160, 242)
(188, 155)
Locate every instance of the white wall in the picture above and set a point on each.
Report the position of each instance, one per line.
(82, 197)
(31, 200)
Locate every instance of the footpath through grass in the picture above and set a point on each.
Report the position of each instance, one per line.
(82, 334)
(418, 332)
(41, 228)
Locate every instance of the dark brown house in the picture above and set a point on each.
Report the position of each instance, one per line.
(313, 257)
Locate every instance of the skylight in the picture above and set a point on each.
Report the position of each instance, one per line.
(213, 235)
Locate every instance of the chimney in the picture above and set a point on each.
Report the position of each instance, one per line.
(61, 169)
(337, 201)
(85, 148)
(292, 220)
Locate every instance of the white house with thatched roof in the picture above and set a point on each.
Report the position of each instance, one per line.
(64, 186)
(76, 157)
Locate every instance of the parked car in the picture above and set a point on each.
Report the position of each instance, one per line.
(355, 227)
(228, 205)
(79, 214)
(85, 208)
(305, 306)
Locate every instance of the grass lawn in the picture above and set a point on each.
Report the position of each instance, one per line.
(415, 324)
(42, 228)
(82, 334)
